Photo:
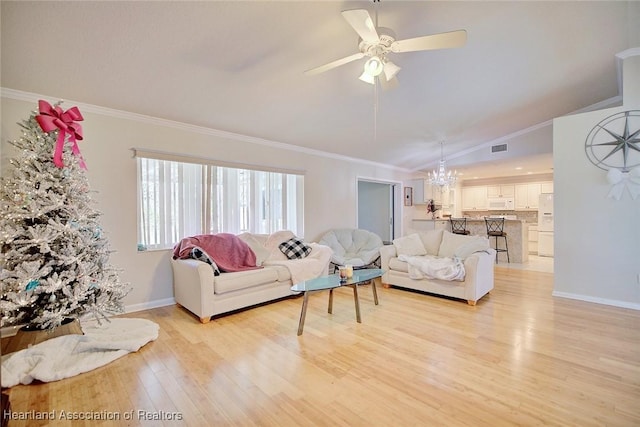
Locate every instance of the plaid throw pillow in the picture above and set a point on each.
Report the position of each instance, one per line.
(295, 248)
(200, 255)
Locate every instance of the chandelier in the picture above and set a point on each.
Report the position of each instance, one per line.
(441, 177)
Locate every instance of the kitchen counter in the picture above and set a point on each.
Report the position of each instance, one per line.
(516, 229)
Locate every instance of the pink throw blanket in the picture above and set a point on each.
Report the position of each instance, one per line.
(225, 249)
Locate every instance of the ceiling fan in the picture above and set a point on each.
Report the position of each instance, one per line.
(378, 42)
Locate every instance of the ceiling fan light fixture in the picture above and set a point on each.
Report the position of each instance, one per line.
(390, 70)
(373, 66)
(367, 78)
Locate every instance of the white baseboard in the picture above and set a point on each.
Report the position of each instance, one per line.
(615, 303)
(149, 305)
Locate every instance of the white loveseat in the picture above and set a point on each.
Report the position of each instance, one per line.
(473, 251)
(197, 289)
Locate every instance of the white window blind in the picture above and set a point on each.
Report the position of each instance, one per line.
(179, 199)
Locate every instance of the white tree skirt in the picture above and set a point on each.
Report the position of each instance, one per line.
(70, 355)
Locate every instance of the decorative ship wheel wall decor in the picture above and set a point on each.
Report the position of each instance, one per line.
(614, 145)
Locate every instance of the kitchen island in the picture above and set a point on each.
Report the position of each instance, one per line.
(516, 229)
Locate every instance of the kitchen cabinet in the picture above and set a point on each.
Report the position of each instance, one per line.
(468, 199)
(418, 191)
(434, 192)
(449, 203)
(423, 192)
(527, 196)
(547, 187)
(545, 243)
(474, 198)
(503, 190)
(533, 239)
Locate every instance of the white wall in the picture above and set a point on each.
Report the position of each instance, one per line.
(535, 141)
(330, 184)
(597, 239)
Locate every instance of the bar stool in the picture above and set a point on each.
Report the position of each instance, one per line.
(459, 226)
(495, 228)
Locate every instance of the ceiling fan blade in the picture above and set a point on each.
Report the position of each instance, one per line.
(361, 21)
(435, 41)
(334, 64)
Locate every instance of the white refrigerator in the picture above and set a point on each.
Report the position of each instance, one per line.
(545, 225)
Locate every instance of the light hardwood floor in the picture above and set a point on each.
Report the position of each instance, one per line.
(519, 357)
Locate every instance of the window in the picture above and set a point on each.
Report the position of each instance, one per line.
(178, 199)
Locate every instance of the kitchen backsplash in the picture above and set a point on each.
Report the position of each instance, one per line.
(420, 212)
(527, 216)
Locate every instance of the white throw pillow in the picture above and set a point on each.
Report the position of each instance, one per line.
(273, 244)
(451, 242)
(431, 239)
(477, 244)
(262, 253)
(410, 245)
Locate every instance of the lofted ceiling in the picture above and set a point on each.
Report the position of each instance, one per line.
(238, 66)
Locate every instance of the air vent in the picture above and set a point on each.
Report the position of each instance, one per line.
(498, 148)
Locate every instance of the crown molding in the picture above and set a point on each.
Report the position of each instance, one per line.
(126, 115)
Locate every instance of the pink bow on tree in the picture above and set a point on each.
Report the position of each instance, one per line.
(52, 118)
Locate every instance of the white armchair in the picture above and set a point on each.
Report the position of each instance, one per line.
(353, 246)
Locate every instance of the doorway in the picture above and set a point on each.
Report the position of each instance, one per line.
(377, 207)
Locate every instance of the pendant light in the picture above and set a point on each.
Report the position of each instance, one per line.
(441, 177)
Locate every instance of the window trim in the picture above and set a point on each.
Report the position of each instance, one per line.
(186, 158)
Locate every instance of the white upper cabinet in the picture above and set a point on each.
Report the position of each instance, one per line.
(527, 196)
(418, 191)
(474, 198)
(503, 190)
(434, 192)
(423, 191)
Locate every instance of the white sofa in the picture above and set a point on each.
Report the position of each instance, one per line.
(197, 289)
(474, 252)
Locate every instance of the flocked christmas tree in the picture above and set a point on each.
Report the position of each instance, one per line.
(54, 258)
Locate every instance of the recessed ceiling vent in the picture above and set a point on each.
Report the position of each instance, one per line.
(498, 148)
